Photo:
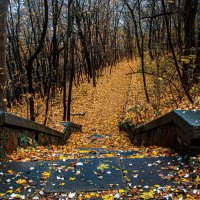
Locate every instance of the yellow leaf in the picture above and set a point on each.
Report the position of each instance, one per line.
(180, 196)
(180, 171)
(87, 196)
(2, 194)
(21, 181)
(84, 151)
(30, 141)
(72, 178)
(108, 197)
(10, 191)
(109, 155)
(189, 196)
(148, 195)
(78, 172)
(46, 174)
(154, 153)
(10, 171)
(62, 184)
(184, 180)
(92, 194)
(19, 190)
(157, 185)
(62, 158)
(18, 196)
(97, 195)
(121, 190)
(197, 180)
(103, 166)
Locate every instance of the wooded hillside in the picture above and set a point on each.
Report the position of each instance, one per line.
(52, 45)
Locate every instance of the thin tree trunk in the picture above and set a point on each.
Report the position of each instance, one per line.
(3, 76)
(72, 67)
(31, 60)
(54, 61)
(66, 53)
(173, 53)
(139, 47)
(197, 62)
(83, 43)
(150, 31)
(71, 76)
(142, 57)
(189, 31)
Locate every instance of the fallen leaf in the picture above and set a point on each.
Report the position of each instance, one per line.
(72, 178)
(21, 181)
(62, 184)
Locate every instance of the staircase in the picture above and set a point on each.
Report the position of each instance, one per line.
(100, 173)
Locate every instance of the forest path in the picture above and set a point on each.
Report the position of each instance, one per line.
(100, 162)
(104, 107)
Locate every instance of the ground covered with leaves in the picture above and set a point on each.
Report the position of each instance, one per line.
(118, 96)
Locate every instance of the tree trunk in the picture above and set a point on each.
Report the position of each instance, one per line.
(150, 31)
(197, 62)
(72, 67)
(32, 59)
(190, 11)
(54, 62)
(3, 18)
(173, 52)
(83, 42)
(71, 76)
(66, 53)
(140, 47)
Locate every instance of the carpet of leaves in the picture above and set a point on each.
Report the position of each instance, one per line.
(101, 109)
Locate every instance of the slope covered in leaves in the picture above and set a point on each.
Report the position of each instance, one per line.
(117, 96)
(99, 110)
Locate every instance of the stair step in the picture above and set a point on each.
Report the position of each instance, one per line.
(151, 171)
(31, 172)
(89, 174)
(103, 151)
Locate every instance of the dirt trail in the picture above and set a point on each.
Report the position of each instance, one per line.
(104, 106)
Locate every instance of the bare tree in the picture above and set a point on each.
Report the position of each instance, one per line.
(39, 58)
(173, 52)
(140, 46)
(3, 76)
(72, 66)
(30, 61)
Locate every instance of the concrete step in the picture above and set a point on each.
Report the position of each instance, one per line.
(87, 174)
